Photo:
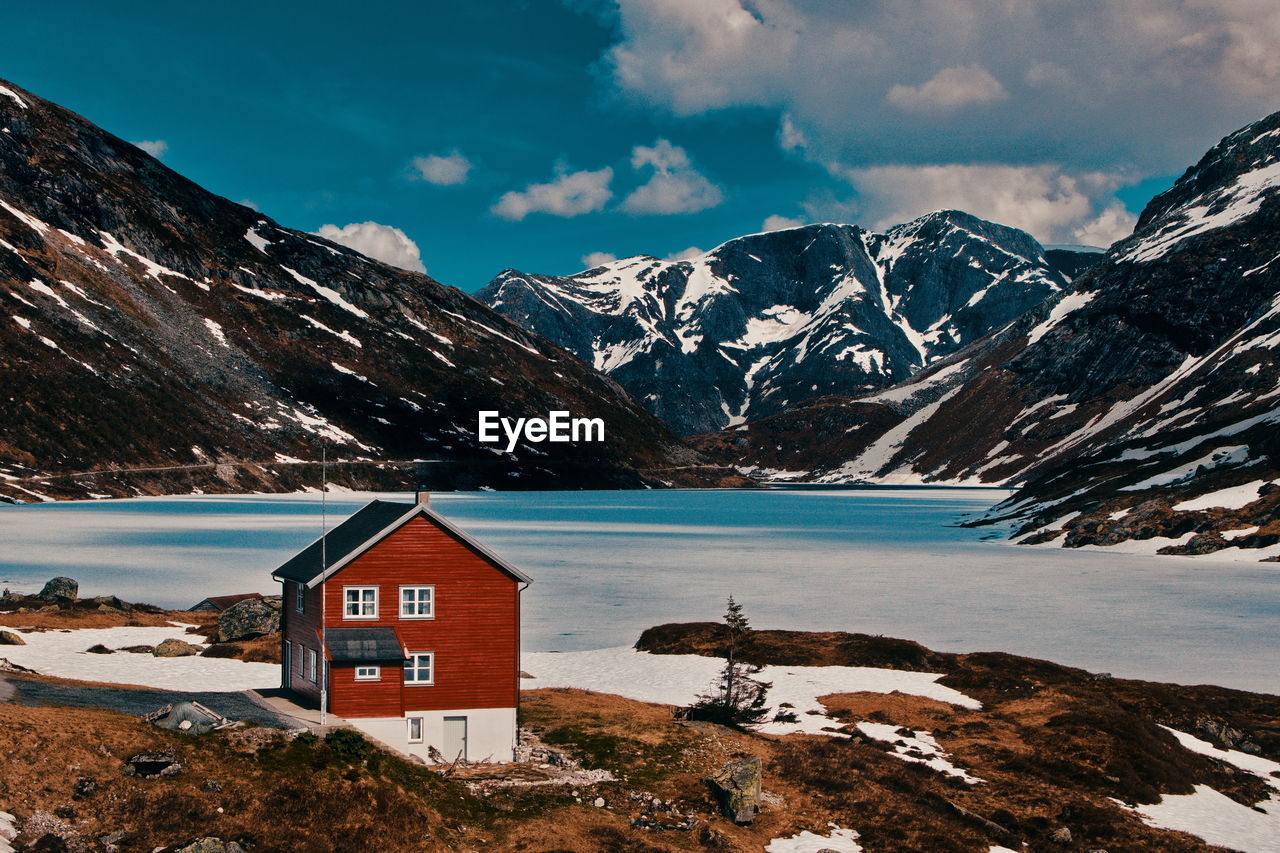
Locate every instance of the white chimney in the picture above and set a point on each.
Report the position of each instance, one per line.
(423, 498)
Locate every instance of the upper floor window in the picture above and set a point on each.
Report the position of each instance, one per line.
(368, 673)
(417, 602)
(419, 668)
(359, 602)
(300, 598)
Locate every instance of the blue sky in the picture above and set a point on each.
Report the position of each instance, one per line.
(532, 135)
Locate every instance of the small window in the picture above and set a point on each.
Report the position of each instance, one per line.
(311, 665)
(415, 729)
(302, 660)
(417, 602)
(368, 673)
(359, 602)
(300, 600)
(420, 668)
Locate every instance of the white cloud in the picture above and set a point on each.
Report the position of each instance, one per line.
(570, 194)
(675, 186)
(685, 254)
(780, 223)
(1099, 84)
(594, 259)
(1054, 204)
(380, 242)
(157, 148)
(949, 90)
(445, 170)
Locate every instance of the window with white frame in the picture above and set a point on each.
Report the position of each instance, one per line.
(359, 602)
(300, 599)
(368, 673)
(311, 665)
(420, 668)
(302, 660)
(415, 729)
(417, 602)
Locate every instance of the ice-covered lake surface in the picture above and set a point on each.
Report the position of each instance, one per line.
(609, 564)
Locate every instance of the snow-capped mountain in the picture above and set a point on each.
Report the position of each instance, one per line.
(1144, 401)
(147, 323)
(769, 320)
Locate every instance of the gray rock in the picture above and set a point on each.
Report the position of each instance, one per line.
(98, 649)
(737, 788)
(60, 589)
(8, 638)
(149, 765)
(209, 844)
(1061, 835)
(250, 618)
(172, 648)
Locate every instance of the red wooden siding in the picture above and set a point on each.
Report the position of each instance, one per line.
(351, 698)
(302, 628)
(475, 633)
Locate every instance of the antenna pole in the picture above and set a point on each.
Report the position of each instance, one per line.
(324, 565)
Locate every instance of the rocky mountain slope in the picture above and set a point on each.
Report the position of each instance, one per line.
(767, 321)
(149, 324)
(1143, 402)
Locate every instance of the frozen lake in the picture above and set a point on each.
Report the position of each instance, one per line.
(609, 564)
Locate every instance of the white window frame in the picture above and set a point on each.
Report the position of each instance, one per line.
(312, 666)
(300, 598)
(411, 665)
(416, 589)
(421, 724)
(360, 603)
(371, 673)
(302, 660)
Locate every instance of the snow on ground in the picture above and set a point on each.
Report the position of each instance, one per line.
(1232, 498)
(62, 654)
(679, 679)
(1218, 819)
(839, 841)
(919, 747)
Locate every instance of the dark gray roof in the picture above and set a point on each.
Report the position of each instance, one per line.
(352, 536)
(361, 645)
(371, 519)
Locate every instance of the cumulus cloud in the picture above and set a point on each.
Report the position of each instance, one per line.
(570, 194)
(1054, 204)
(674, 187)
(791, 137)
(157, 148)
(780, 223)
(685, 254)
(1148, 83)
(380, 242)
(445, 170)
(948, 90)
(594, 259)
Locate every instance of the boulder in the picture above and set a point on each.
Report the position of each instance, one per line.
(737, 789)
(60, 589)
(172, 648)
(138, 650)
(151, 764)
(98, 649)
(250, 618)
(8, 638)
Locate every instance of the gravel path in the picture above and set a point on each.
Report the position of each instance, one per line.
(236, 706)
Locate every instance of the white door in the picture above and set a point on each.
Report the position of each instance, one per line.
(455, 739)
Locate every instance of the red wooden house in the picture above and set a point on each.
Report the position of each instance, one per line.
(409, 629)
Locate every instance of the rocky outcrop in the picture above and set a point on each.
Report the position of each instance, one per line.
(60, 589)
(737, 789)
(174, 648)
(250, 618)
(766, 321)
(175, 331)
(8, 638)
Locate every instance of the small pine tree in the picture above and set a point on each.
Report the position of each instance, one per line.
(736, 698)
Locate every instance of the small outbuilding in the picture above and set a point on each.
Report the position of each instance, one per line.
(219, 603)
